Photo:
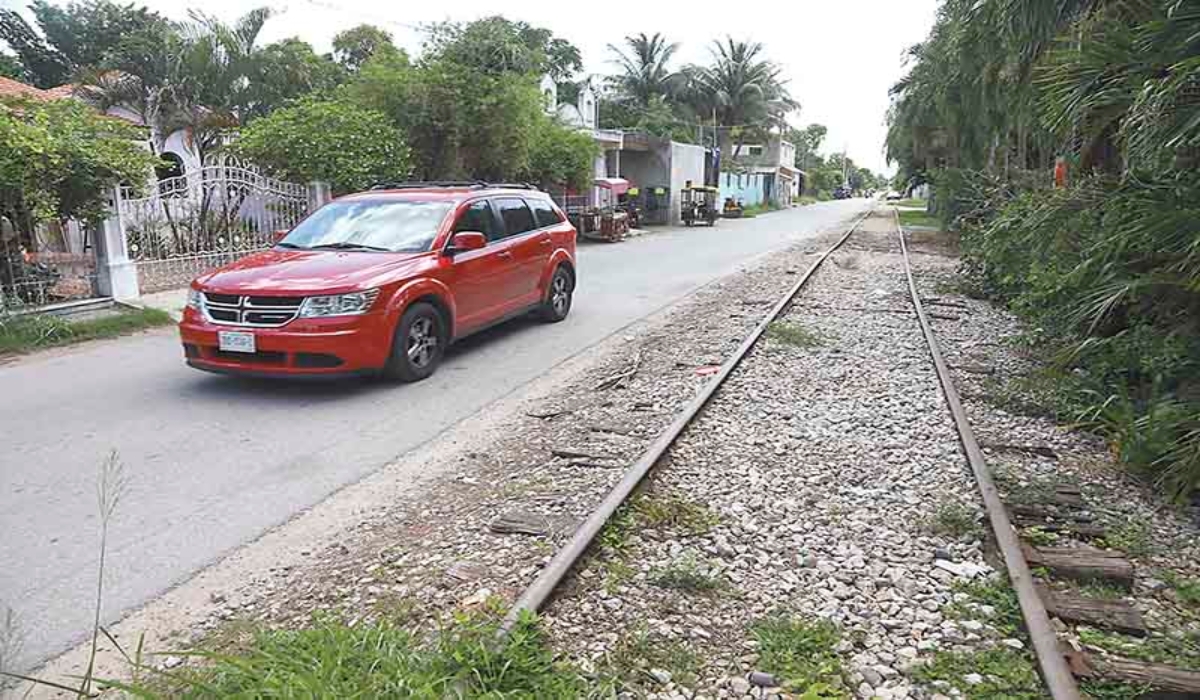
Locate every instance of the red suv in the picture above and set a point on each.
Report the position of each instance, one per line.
(383, 281)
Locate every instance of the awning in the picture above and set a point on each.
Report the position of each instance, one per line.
(618, 185)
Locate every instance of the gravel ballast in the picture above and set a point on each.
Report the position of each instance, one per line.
(822, 462)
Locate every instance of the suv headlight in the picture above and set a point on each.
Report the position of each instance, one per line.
(194, 299)
(351, 304)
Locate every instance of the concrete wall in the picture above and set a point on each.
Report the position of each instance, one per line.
(687, 163)
(748, 188)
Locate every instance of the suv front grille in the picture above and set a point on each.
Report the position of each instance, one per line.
(259, 311)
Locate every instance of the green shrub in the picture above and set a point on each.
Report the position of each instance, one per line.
(1108, 273)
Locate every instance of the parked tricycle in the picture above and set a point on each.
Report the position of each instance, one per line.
(698, 204)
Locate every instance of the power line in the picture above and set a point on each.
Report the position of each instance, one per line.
(366, 15)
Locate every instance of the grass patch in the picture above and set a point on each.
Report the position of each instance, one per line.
(911, 218)
(1187, 590)
(675, 512)
(1183, 651)
(952, 519)
(636, 654)
(22, 334)
(1132, 537)
(1007, 673)
(1039, 536)
(332, 660)
(792, 334)
(799, 652)
(687, 574)
(1113, 690)
(994, 592)
(1102, 590)
(913, 203)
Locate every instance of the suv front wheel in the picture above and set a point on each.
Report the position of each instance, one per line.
(558, 296)
(418, 345)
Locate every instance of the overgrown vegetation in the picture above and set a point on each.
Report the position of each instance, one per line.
(792, 334)
(1006, 99)
(1183, 651)
(952, 518)
(333, 660)
(800, 653)
(21, 334)
(994, 592)
(687, 573)
(638, 653)
(1007, 674)
(1186, 590)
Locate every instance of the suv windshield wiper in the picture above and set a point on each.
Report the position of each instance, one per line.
(285, 244)
(343, 245)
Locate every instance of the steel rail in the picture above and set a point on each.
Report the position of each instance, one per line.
(1057, 676)
(536, 595)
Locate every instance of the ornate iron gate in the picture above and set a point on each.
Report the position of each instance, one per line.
(205, 219)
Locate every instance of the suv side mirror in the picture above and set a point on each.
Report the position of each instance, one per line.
(277, 236)
(465, 241)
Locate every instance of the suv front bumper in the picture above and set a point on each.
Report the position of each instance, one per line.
(331, 346)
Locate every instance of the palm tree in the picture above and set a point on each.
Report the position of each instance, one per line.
(644, 73)
(197, 76)
(744, 92)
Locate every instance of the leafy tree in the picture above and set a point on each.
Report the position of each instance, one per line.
(645, 77)
(470, 107)
(288, 70)
(497, 45)
(73, 37)
(357, 45)
(658, 118)
(84, 32)
(10, 67)
(559, 155)
(45, 66)
(808, 143)
(347, 145)
(60, 160)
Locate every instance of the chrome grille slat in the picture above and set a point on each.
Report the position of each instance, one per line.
(242, 310)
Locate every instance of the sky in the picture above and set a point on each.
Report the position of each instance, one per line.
(839, 56)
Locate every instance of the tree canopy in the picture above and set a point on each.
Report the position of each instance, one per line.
(346, 145)
(60, 160)
(355, 46)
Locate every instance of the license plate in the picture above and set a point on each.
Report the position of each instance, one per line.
(235, 341)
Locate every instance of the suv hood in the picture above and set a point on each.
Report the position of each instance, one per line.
(307, 271)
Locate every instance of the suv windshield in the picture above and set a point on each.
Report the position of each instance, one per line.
(395, 226)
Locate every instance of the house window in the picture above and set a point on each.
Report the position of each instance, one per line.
(755, 150)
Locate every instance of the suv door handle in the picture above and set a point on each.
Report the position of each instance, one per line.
(545, 241)
(504, 254)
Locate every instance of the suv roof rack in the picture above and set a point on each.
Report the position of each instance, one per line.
(469, 184)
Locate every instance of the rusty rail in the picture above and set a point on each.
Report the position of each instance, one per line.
(1055, 672)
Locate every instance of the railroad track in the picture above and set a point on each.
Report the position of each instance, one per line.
(1059, 665)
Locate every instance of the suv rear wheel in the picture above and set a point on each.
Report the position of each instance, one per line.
(558, 296)
(418, 345)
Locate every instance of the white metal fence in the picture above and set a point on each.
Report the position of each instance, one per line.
(204, 219)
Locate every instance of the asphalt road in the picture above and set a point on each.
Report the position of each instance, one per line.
(213, 462)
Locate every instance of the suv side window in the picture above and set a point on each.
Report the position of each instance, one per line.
(516, 215)
(479, 217)
(543, 213)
